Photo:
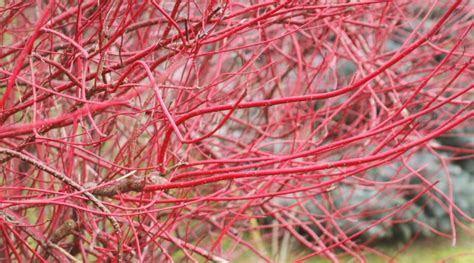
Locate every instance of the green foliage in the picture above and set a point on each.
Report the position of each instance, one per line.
(461, 137)
(357, 205)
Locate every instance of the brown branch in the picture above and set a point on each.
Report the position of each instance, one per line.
(126, 185)
(60, 233)
(66, 180)
(13, 219)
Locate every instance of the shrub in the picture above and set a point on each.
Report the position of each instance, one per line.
(192, 130)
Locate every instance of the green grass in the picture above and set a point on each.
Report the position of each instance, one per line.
(435, 249)
(431, 250)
